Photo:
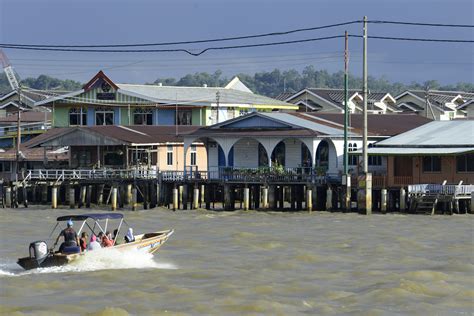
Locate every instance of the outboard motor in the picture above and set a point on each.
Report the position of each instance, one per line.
(39, 251)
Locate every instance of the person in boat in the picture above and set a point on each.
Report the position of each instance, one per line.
(83, 241)
(116, 240)
(129, 236)
(106, 242)
(93, 244)
(70, 238)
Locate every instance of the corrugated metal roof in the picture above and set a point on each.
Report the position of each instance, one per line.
(133, 134)
(301, 122)
(206, 95)
(392, 151)
(436, 133)
(377, 124)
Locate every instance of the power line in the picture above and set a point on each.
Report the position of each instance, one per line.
(188, 51)
(170, 50)
(420, 24)
(244, 36)
(437, 40)
(193, 42)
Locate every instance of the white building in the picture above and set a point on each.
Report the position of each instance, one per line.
(296, 140)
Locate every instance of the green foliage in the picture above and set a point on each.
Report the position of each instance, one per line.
(272, 83)
(43, 82)
(269, 83)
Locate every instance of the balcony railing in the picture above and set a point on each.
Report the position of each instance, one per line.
(255, 175)
(25, 128)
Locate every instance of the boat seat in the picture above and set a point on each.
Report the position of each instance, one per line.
(71, 249)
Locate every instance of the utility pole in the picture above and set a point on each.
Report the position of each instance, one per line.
(176, 114)
(346, 101)
(346, 177)
(364, 88)
(18, 135)
(365, 182)
(218, 97)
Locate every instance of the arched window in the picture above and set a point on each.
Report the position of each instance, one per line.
(306, 160)
(77, 116)
(104, 116)
(278, 154)
(143, 116)
(322, 154)
(262, 156)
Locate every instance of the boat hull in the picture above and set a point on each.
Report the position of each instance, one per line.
(149, 242)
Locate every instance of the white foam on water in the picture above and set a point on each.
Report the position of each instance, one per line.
(102, 259)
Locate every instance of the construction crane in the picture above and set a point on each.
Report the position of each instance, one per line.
(8, 69)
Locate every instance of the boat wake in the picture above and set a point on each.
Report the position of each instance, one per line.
(102, 259)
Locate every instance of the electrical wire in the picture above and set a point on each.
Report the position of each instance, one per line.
(420, 24)
(438, 40)
(192, 42)
(188, 51)
(244, 36)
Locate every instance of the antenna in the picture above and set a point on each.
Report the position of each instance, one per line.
(8, 69)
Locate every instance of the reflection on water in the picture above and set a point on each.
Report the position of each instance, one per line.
(252, 263)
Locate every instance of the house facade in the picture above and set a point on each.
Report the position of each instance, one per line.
(120, 147)
(434, 104)
(466, 109)
(34, 120)
(295, 141)
(332, 101)
(435, 152)
(104, 102)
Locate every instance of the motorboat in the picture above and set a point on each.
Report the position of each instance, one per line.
(41, 256)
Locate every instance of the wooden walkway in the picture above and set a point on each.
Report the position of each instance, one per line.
(424, 198)
(229, 175)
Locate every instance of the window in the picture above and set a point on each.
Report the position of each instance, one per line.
(243, 112)
(142, 116)
(169, 155)
(139, 156)
(193, 155)
(81, 158)
(230, 113)
(77, 116)
(353, 159)
(465, 163)
(278, 154)
(262, 156)
(375, 160)
(113, 158)
(104, 116)
(5, 166)
(431, 164)
(184, 117)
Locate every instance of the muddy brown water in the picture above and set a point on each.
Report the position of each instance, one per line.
(252, 263)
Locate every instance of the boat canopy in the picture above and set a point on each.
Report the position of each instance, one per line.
(94, 216)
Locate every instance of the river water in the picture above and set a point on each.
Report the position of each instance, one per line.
(252, 263)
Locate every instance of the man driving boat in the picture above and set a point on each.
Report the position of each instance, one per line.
(71, 240)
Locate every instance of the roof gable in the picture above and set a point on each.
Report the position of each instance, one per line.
(252, 120)
(97, 80)
(236, 84)
(81, 137)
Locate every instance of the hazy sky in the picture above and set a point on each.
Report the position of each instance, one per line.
(123, 22)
